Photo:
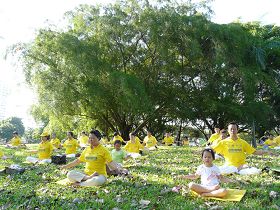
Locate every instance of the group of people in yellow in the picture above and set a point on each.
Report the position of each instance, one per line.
(234, 150)
(96, 156)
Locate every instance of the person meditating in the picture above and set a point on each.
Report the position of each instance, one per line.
(234, 149)
(210, 177)
(96, 156)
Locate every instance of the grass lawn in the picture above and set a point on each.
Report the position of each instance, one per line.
(153, 177)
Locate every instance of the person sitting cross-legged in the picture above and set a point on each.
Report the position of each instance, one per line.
(96, 156)
(235, 150)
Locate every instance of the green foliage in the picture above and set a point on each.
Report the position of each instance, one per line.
(153, 178)
(133, 64)
(8, 126)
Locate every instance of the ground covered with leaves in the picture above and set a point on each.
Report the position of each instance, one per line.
(154, 176)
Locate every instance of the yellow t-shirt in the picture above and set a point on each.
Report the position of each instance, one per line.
(1, 154)
(96, 159)
(150, 141)
(234, 151)
(213, 137)
(45, 150)
(133, 147)
(168, 140)
(83, 140)
(277, 140)
(216, 141)
(118, 137)
(16, 141)
(270, 142)
(70, 146)
(55, 142)
(104, 141)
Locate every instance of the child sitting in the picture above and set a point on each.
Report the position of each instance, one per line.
(210, 177)
(118, 156)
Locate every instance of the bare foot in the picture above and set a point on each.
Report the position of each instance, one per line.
(76, 184)
(215, 187)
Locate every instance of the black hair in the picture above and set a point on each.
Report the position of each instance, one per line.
(48, 137)
(208, 150)
(96, 133)
(133, 133)
(83, 132)
(15, 132)
(71, 133)
(234, 123)
(116, 134)
(117, 142)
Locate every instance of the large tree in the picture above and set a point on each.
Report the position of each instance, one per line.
(133, 64)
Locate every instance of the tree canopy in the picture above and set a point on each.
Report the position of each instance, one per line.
(133, 64)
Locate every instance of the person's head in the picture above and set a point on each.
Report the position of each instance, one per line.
(186, 138)
(15, 133)
(94, 138)
(116, 134)
(53, 135)
(132, 136)
(117, 144)
(216, 129)
(270, 136)
(45, 136)
(83, 133)
(208, 156)
(223, 133)
(232, 129)
(70, 135)
(149, 133)
(167, 134)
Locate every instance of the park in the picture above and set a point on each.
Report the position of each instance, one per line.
(157, 74)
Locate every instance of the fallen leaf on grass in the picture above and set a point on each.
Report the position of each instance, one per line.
(99, 200)
(144, 202)
(165, 190)
(77, 200)
(273, 194)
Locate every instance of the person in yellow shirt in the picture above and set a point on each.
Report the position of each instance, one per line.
(15, 141)
(214, 136)
(2, 156)
(223, 135)
(96, 156)
(70, 145)
(117, 136)
(150, 141)
(104, 140)
(44, 150)
(55, 142)
(133, 146)
(235, 151)
(277, 140)
(185, 141)
(277, 143)
(270, 142)
(83, 139)
(168, 139)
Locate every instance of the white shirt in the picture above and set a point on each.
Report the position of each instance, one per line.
(209, 175)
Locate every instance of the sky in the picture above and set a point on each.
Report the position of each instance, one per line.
(19, 21)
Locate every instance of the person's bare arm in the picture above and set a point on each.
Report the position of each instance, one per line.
(72, 164)
(190, 176)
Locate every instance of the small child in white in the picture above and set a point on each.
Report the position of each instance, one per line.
(210, 177)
